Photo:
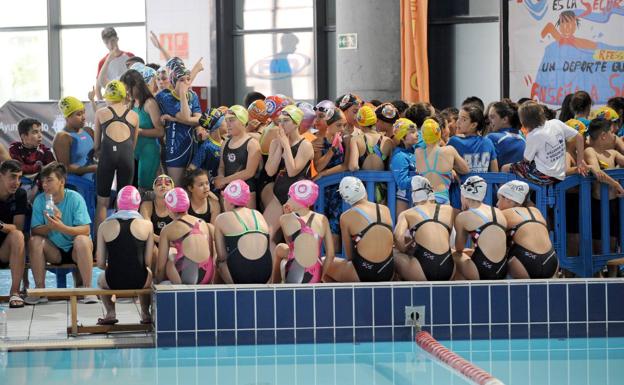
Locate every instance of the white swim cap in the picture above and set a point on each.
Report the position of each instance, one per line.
(474, 187)
(421, 189)
(515, 190)
(352, 190)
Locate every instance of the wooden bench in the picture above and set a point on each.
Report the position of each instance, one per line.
(73, 294)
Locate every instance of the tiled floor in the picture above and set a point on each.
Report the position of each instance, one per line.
(46, 325)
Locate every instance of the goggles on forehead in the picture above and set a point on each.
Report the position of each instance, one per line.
(347, 101)
(163, 179)
(389, 111)
(324, 112)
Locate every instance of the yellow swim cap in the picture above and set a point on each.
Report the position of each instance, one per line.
(431, 131)
(240, 112)
(606, 113)
(69, 104)
(401, 127)
(294, 112)
(115, 91)
(366, 116)
(577, 125)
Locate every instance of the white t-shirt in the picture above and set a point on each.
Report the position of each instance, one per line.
(116, 67)
(546, 145)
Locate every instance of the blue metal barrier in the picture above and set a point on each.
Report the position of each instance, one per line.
(588, 262)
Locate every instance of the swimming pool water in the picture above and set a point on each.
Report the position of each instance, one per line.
(553, 362)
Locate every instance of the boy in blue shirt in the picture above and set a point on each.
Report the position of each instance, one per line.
(477, 151)
(403, 161)
(62, 237)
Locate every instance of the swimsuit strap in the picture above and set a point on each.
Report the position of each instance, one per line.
(493, 214)
(378, 213)
(362, 213)
(480, 215)
(115, 116)
(421, 212)
(257, 226)
(437, 212)
(186, 223)
(526, 220)
(240, 220)
(428, 219)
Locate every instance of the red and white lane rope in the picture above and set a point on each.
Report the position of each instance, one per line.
(457, 363)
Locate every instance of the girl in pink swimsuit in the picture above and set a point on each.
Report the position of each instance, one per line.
(301, 266)
(194, 266)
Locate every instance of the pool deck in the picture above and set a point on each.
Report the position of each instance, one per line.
(44, 326)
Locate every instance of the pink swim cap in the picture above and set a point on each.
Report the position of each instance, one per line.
(177, 200)
(128, 198)
(304, 192)
(237, 193)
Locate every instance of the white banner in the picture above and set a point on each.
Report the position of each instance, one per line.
(558, 47)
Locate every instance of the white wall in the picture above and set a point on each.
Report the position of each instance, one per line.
(190, 16)
(476, 61)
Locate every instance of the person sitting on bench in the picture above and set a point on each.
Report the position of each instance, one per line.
(124, 248)
(13, 207)
(60, 234)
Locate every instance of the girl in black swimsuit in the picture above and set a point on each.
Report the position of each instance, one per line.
(115, 156)
(368, 246)
(242, 239)
(204, 204)
(487, 227)
(531, 253)
(156, 211)
(289, 159)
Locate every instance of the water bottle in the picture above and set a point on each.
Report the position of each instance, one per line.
(49, 205)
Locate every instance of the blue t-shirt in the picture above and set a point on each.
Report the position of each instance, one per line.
(476, 150)
(509, 145)
(207, 157)
(170, 104)
(403, 166)
(73, 213)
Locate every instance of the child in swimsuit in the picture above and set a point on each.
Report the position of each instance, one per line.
(369, 256)
(303, 262)
(192, 238)
(531, 253)
(422, 235)
(487, 227)
(243, 247)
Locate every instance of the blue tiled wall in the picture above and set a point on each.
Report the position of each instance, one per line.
(281, 314)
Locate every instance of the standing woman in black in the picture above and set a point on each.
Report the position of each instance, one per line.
(290, 156)
(115, 138)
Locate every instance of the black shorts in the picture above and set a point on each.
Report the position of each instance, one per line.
(537, 265)
(3, 236)
(66, 257)
(529, 171)
(614, 218)
(437, 267)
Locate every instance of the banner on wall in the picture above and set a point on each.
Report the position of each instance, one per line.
(52, 120)
(557, 47)
(414, 60)
(183, 29)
